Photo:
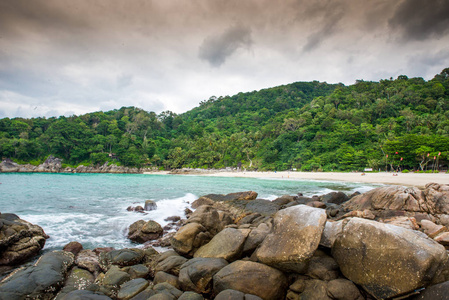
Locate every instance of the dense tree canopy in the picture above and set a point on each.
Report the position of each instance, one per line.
(401, 123)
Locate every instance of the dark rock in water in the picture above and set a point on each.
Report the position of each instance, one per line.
(335, 197)
(142, 231)
(150, 205)
(19, 239)
(172, 219)
(74, 247)
(296, 235)
(197, 273)
(387, 260)
(40, 281)
(251, 278)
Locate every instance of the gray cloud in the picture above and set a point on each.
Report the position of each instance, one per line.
(216, 49)
(65, 56)
(420, 20)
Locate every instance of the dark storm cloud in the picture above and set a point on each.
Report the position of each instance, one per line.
(420, 20)
(216, 49)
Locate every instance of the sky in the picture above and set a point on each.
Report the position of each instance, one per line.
(66, 57)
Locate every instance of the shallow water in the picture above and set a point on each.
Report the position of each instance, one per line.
(91, 208)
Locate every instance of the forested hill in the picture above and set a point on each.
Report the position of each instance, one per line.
(303, 125)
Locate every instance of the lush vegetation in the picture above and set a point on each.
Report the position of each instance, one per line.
(304, 125)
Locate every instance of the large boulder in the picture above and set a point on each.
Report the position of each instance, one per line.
(142, 231)
(383, 200)
(386, 260)
(227, 244)
(296, 235)
(40, 281)
(251, 278)
(19, 239)
(150, 205)
(213, 219)
(196, 274)
(189, 238)
(122, 257)
(249, 195)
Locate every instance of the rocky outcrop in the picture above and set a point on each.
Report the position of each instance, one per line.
(386, 260)
(296, 235)
(40, 281)
(196, 274)
(19, 239)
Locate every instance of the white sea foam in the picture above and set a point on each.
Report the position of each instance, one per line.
(103, 230)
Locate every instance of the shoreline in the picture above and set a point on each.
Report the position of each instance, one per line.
(406, 179)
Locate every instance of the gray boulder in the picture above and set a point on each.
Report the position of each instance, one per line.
(296, 235)
(122, 257)
(85, 295)
(150, 205)
(40, 281)
(132, 288)
(196, 274)
(387, 260)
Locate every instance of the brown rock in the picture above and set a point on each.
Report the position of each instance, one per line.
(296, 235)
(142, 231)
(227, 244)
(73, 247)
(386, 260)
(251, 278)
(189, 238)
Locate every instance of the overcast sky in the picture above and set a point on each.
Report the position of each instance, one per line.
(65, 57)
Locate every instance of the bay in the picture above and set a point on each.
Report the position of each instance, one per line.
(91, 208)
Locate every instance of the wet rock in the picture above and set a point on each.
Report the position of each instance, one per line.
(196, 274)
(87, 259)
(122, 257)
(74, 247)
(142, 231)
(132, 288)
(78, 279)
(150, 205)
(296, 235)
(41, 280)
(251, 278)
(19, 239)
(227, 244)
(386, 260)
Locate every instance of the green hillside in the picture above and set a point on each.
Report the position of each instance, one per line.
(303, 125)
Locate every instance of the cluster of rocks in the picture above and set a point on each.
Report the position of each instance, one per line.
(387, 243)
(54, 165)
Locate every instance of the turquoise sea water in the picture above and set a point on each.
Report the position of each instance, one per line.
(91, 208)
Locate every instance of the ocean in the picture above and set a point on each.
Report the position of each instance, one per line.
(91, 208)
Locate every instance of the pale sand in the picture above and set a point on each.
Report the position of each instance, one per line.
(407, 179)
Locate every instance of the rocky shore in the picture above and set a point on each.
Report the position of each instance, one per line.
(388, 243)
(54, 165)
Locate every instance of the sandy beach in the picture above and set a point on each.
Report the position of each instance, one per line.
(406, 179)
